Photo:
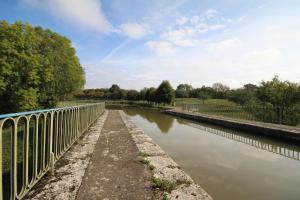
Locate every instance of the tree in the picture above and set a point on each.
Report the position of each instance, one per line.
(38, 68)
(241, 96)
(165, 93)
(183, 91)
(250, 87)
(115, 92)
(133, 95)
(203, 95)
(221, 90)
(143, 94)
(280, 94)
(151, 95)
(208, 90)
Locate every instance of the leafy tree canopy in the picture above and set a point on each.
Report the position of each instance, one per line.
(165, 93)
(279, 93)
(38, 68)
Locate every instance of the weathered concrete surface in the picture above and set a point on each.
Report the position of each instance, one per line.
(282, 132)
(164, 167)
(115, 171)
(69, 170)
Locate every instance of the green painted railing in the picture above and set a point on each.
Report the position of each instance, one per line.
(32, 142)
(269, 114)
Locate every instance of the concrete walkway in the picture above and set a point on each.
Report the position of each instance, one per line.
(115, 170)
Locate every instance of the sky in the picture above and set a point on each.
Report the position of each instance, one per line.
(139, 43)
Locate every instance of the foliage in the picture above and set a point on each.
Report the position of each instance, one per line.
(38, 68)
(220, 90)
(282, 95)
(203, 95)
(115, 92)
(151, 95)
(183, 91)
(278, 93)
(133, 95)
(241, 96)
(164, 185)
(165, 93)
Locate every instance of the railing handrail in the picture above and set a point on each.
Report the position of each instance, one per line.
(10, 115)
(286, 115)
(43, 136)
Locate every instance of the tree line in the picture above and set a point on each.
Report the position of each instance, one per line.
(269, 101)
(163, 94)
(274, 92)
(38, 68)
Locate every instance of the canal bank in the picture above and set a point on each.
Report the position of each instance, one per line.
(280, 132)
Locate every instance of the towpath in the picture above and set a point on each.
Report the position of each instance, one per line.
(115, 170)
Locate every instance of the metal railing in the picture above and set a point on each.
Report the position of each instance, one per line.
(269, 114)
(32, 142)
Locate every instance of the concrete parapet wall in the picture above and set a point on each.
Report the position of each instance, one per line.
(282, 132)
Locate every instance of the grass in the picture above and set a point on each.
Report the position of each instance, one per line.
(151, 167)
(164, 185)
(143, 154)
(217, 107)
(145, 161)
(165, 197)
(216, 102)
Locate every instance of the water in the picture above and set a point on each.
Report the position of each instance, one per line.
(227, 164)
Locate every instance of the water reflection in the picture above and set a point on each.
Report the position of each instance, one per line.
(260, 143)
(163, 123)
(227, 164)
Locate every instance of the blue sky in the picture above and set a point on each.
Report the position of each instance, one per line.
(139, 43)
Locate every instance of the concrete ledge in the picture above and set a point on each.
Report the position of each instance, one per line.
(164, 167)
(282, 132)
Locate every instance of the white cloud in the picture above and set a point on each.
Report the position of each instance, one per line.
(187, 31)
(225, 45)
(83, 13)
(211, 13)
(183, 20)
(269, 56)
(134, 30)
(180, 37)
(161, 48)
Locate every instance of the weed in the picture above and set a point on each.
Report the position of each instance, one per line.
(165, 197)
(164, 185)
(143, 154)
(145, 161)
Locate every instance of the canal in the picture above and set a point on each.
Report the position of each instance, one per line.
(228, 164)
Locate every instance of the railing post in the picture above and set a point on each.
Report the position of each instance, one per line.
(51, 144)
(280, 114)
(52, 163)
(1, 191)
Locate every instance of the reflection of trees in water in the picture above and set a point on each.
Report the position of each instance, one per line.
(163, 122)
(131, 112)
(292, 152)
